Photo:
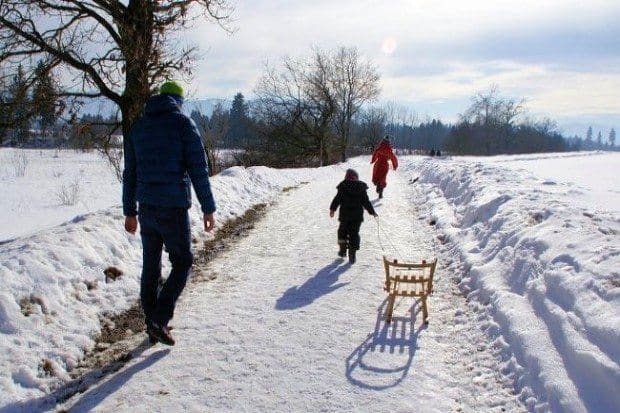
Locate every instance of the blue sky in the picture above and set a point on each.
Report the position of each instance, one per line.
(562, 56)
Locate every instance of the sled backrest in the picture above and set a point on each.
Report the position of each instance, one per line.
(409, 279)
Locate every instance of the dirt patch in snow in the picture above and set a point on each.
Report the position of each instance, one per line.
(228, 234)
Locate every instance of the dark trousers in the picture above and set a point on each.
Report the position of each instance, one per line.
(349, 232)
(170, 227)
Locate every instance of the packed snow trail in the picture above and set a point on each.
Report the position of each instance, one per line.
(287, 326)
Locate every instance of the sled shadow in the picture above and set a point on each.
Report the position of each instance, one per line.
(89, 383)
(383, 359)
(324, 282)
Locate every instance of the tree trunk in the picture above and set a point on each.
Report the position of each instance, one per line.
(344, 142)
(137, 34)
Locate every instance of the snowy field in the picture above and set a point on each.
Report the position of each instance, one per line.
(44, 188)
(38, 187)
(526, 314)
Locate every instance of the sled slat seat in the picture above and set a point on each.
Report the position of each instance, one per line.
(408, 280)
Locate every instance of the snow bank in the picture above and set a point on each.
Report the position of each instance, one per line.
(54, 290)
(543, 258)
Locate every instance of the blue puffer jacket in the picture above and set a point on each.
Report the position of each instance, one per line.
(162, 153)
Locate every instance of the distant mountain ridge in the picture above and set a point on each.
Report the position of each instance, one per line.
(105, 107)
(206, 105)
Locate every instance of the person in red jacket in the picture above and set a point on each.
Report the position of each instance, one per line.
(380, 158)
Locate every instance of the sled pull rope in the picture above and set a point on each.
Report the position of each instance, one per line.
(379, 234)
(379, 230)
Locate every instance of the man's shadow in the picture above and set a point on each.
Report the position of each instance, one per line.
(324, 282)
(92, 384)
(384, 358)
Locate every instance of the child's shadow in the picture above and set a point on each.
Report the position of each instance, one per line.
(324, 282)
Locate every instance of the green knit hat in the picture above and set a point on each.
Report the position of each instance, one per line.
(172, 87)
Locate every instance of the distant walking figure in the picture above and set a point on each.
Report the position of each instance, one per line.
(163, 152)
(352, 199)
(380, 158)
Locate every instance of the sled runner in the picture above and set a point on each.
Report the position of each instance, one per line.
(408, 280)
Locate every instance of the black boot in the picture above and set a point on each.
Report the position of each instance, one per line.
(343, 249)
(380, 191)
(159, 334)
(352, 255)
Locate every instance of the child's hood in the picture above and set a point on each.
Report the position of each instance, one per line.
(352, 187)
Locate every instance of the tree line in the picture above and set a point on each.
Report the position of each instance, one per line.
(491, 125)
(599, 144)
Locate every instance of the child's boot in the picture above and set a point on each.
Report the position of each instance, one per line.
(351, 255)
(343, 248)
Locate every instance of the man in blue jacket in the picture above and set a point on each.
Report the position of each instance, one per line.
(163, 153)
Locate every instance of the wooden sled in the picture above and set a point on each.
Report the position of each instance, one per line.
(408, 280)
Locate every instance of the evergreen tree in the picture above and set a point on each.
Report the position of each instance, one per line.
(4, 110)
(599, 140)
(45, 97)
(201, 121)
(237, 135)
(19, 107)
(589, 143)
(612, 137)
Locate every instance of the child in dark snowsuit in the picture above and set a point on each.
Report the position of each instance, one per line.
(352, 199)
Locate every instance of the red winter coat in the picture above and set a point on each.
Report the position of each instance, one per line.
(380, 158)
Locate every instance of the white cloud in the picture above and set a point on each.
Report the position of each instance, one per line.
(559, 54)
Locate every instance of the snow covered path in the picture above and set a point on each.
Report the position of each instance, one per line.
(286, 326)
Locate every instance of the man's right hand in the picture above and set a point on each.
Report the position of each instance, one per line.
(209, 222)
(131, 224)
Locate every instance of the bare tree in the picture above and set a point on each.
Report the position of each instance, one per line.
(314, 100)
(372, 126)
(322, 101)
(495, 114)
(355, 82)
(213, 132)
(400, 123)
(299, 104)
(112, 49)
